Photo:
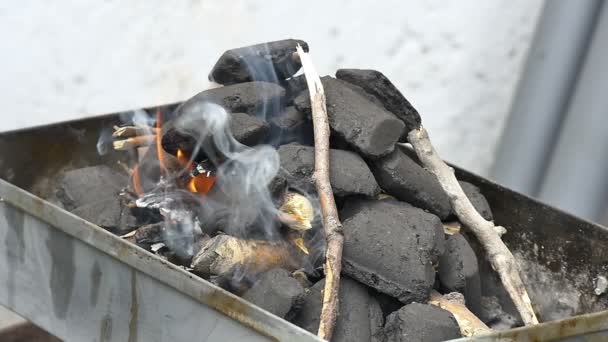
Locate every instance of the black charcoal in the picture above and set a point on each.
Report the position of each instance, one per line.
(189, 125)
(378, 85)
(478, 200)
(254, 98)
(290, 119)
(90, 185)
(294, 87)
(359, 316)
(459, 271)
(291, 125)
(384, 238)
(349, 175)
(421, 323)
(93, 194)
(110, 214)
(493, 314)
(270, 62)
(367, 127)
(362, 92)
(248, 130)
(277, 292)
(277, 189)
(404, 179)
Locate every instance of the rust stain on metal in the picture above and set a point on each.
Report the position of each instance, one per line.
(105, 329)
(123, 251)
(134, 309)
(96, 275)
(550, 331)
(234, 308)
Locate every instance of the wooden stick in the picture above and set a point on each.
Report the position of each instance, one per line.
(138, 141)
(331, 221)
(487, 234)
(133, 131)
(470, 325)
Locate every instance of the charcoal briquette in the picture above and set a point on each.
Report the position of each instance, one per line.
(270, 62)
(421, 323)
(367, 127)
(378, 85)
(349, 175)
(478, 200)
(391, 247)
(403, 178)
(277, 292)
(359, 317)
(459, 272)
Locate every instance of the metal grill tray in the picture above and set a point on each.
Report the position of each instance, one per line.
(82, 283)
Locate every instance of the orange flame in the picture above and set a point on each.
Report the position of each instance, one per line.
(159, 147)
(136, 182)
(202, 183)
(183, 160)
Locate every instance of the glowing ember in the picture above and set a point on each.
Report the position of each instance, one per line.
(201, 183)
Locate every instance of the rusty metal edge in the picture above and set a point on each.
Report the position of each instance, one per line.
(550, 331)
(197, 288)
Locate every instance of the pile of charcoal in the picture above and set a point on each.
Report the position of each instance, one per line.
(192, 198)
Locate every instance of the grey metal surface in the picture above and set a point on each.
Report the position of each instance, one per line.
(554, 59)
(82, 283)
(576, 177)
(587, 328)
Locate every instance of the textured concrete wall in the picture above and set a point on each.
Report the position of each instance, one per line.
(457, 61)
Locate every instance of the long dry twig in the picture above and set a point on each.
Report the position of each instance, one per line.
(329, 212)
(487, 233)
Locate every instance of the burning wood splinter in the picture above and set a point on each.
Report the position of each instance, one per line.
(131, 143)
(133, 131)
(296, 212)
(470, 325)
(329, 212)
(223, 254)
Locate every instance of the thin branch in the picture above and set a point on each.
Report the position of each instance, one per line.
(133, 131)
(500, 257)
(135, 142)
(331, 221)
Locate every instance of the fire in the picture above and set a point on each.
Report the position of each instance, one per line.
(183, 160)
(136, 181)
(159, 147)
(299, 242)
(201, 183)
(198, 183)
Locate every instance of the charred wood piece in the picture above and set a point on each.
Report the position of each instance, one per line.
(223, 255)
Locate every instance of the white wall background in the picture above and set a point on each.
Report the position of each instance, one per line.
(457, 61)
